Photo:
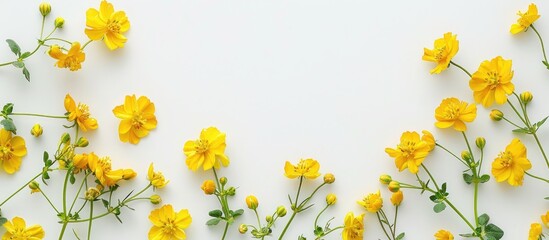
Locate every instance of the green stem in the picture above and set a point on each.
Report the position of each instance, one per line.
(37, 115)
(287, 225)
(257, 216)
(63, 230)
(331, 230)
(7, 63)
(58, 39)
(475, 202)
(225, 231)
(468, 146)
(541, 41)
(318, 216)
(395, 220)
(460, 215)
(387, 222)
(298, 190)
(65, 183)
(382, 227)
(431, 177)
(86, 44)
(90, 222)
(536, 177)
(223, 200)
(462, 68)
(512, 123)
(49, 201)
(42, 28)
(79, 190)
(540, 148)
(451, 153)
(516, 111)
(21, 188)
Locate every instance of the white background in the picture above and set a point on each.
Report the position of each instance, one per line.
(338, 81)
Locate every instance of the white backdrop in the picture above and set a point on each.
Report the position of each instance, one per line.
(337, 81)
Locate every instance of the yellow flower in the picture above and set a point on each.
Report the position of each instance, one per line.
(410, 153)
(397, 197)
(444, 50)
(353, 227)
(331, 199)
(102, 169)
(168, 224)
(535, 231)
(373, 202)
(453, 112)
(208, 151)
(208, 187)
(17, 230)
(526, 19)
(492, 81)
(252, 202)
(12, 151)
(329, 178)
(72, 59)
(37, 130)
(157, 178)
(307, 168)
(80, 114)
(511, 164)
(545, 219)
(80, 161)
(137, 118)
(444, 235)
(428, 138)
(107, 24)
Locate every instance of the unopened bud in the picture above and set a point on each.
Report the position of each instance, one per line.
(496, 115)
(36, 130)
(208, 187)
(269, 218)
(466, 155)
(331, 199)
(242, 228)
(397, 198)
(394, 186)
(281, 211)
(385, 179)
(92, 194)
(115, 211)
(59, 22)
(329, 178)
(65, 138)
(155, 199)
(223, 181)
(231, 191)
(34, 186)
(82, 142)
(481, 142)
(45, 8)
(252, 202)
(526, 97)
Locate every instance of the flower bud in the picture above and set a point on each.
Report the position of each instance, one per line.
(385, 179)
(496, 115)
(45, 8)
(36, 130)
(329, 178)
(82, 142)
(59, 22)
(99, 187)
(242, 228)
(92, 194)
(526, 97)
(481, 142)
(208, 187)
(34, 186)
(252, 202)
(397, 198)
(466, 155)
(65, 138)
(231, 191)
(394, 186)
(155, 199)
(331, 199)
(269, 218)
(281, 211)
(223, 181)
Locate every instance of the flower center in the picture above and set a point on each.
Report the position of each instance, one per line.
(84, 111)
(201, 145)
(113, 26)
(302, 167)
(72, 63)
(407, 148)
(105, 164)
(440, 53)
(506, 159)
(137, 120)
(5, 150)
(492, 79)
(169, 227)
(452, 111)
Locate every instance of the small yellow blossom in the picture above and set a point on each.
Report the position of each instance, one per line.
(72, 59)
(102, 169)
(168, 224)
(208, 151)
(385, 179)
(157, 178)
(372, 203)
(208, 187)
(496, 115)
(353, 227)
(329, 178)
(428, 138)
(17, 230)
(80, 114)
(44, 8)
(511, 164)
(397, 197)
(444, 235)
(526, 19)
(454, 113)
(36, 130)
(394, 186)
(535, 231)
(59, 22)
(34, 187)
(410, 153)
(252, 202)
(331, 199)
(242, 228)
(138, 118)
(12, 151)
(492, 81)
(545, 219)
(526, 97)
(307, 168)
(444, 50)
(108, 25)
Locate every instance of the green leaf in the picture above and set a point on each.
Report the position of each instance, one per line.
(439, 207)
(521, 130)
(9, 126)
(538, 124)
(8, 108)
(72, 179)
(493, 231)
(546, 198)
(468, 178)
(14, 47)
(215, 213)
(105, 203)
(25, 55)
(213, 221)
(318, 231)
(484, 178)
(238, 212)
(483, 219)
(3, 220)
(45, 157)
(26, 73)
(467, 235)
(400, 236)
(18, 64)
(443, 188)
